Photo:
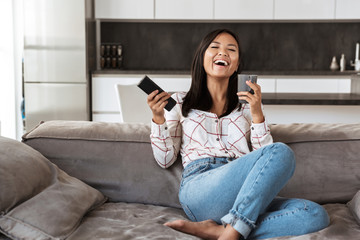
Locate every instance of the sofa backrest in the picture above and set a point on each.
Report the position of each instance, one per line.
(117, 159)
(327, 160)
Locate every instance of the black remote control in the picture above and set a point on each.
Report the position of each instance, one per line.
(148, 86)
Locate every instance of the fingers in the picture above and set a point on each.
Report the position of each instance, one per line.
(247, 96)
(160, 100)
(254, 86)
(157, 102)
(252, 99)
(152, 95)
(161, 105)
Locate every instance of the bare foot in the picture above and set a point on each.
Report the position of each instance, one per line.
(230, 233)
(206, 229)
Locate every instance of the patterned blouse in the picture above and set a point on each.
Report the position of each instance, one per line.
(202, 135)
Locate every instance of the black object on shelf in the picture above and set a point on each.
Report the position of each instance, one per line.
(111, 56)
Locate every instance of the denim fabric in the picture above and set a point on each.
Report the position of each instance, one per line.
(241, 192)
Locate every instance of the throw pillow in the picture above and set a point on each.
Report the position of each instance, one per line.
(37, 199)
(354, 206)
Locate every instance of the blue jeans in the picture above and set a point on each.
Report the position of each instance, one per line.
(242, 192)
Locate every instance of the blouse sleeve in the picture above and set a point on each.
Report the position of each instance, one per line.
(260, 135)
(166, 137)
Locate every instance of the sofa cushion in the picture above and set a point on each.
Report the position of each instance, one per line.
(327, 160)
(354, 206)
(37, 199)
(119, 219)
(315, 132)
(115, 158)
(20, 178)
(130, 221)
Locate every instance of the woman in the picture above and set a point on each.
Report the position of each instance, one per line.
(226, 181)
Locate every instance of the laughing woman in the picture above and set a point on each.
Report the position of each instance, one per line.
(232, 169)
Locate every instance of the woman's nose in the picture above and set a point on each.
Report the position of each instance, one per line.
(222, 53)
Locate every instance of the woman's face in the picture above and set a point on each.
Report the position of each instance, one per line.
(221, 58)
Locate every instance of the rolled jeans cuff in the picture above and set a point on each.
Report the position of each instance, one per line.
(241, 224)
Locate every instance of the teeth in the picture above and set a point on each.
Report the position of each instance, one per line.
(221, 62)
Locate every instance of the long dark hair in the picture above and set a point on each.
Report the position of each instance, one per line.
(198, 97)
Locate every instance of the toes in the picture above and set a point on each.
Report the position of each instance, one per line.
(177, 224)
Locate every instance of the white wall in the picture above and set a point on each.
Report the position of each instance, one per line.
(10, 73)
(18, 13)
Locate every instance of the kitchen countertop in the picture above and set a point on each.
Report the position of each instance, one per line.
(262, 73)
(349, 99)
(311, 98)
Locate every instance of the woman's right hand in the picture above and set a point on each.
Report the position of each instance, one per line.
(157, 103)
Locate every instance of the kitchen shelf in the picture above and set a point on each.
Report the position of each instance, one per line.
(269, 97)
(311, 98)
(260, 72)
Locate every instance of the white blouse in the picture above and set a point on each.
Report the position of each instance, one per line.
(202, 134)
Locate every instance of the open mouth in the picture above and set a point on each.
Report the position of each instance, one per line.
(221, 63)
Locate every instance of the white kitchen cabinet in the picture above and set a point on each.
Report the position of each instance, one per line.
(173, 83)
(50, 101)
(347, 9)
(286, 114)
(105, 105)
(268, 85)
(244, 9)
(124, 9)
(313, 85)
(344, 85)
(184, 9)
(304, 9)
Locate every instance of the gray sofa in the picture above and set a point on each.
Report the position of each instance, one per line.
(88, 180)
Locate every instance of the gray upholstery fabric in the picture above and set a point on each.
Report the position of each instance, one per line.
(315, 132)
(108, 132)
(132, 221)
(354, 206)
(37, 199)
(124, 221)
(115, 158)
(20, 178)
(326, 158)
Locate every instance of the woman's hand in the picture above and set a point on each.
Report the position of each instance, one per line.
(157, 102)
(254, 100)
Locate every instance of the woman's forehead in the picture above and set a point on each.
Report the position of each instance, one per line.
(225, 38)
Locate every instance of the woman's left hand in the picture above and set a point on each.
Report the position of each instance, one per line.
(254, 101)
